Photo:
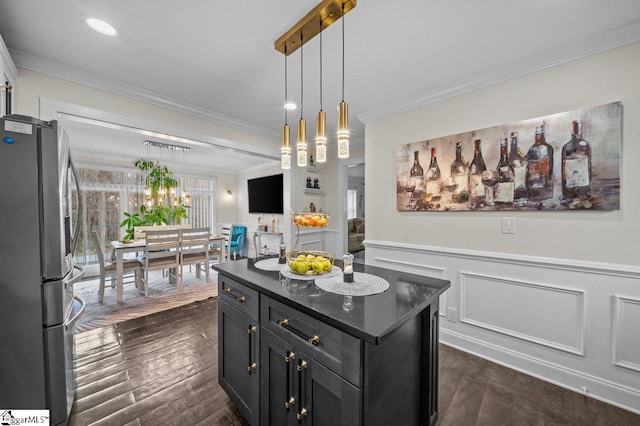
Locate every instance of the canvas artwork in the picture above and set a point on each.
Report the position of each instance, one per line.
(566, 161)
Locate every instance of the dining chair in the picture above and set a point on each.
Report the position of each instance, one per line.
(162, 251)
(236, 242)
(110, 268)
(194, 250)
(225, 231)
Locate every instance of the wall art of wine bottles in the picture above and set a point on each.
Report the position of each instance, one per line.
(566, 161)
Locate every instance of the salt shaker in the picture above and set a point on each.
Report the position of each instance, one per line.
(347, 260)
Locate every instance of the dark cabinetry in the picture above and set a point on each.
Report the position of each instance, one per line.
(238, 348)
(283, 362)
(296, 389)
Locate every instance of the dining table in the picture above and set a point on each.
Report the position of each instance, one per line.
(122, 247)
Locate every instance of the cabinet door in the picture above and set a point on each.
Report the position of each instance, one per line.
(295, 389)
(238, 353)
(325, 399)
(277, 395)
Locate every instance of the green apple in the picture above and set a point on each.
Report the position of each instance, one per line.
(301, 257)
(311, 257)
(293, 265)
(318, 267)
(326, 265)
(303, 267)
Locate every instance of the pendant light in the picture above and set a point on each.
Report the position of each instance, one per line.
(343, 111)
(321, 120)
(322, 16)
(285, 150)
(301, 145)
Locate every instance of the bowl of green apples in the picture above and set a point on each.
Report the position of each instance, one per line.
(310, 262)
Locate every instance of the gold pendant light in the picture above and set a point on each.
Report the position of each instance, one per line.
(285, 150)
(321, 120)
(301, 145)
(319, 18)
(343, 111)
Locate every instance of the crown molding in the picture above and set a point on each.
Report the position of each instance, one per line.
(65, 72)
(583, 48)
(6, 59)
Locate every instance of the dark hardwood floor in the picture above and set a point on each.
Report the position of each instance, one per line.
(161, 369)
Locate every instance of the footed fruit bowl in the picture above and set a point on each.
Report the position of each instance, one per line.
(310, 219)
(310, 262)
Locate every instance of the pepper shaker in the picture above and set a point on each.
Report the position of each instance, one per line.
(282, 258)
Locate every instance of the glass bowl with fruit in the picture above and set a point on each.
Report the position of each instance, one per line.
(310, 262)
(313, 219)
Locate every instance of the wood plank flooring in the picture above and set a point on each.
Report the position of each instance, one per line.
(161, 369)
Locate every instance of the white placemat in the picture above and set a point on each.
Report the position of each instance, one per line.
(363, 284)
(286, 272)
(270, 264)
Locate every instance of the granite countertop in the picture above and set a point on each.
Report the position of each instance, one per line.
(370, 318)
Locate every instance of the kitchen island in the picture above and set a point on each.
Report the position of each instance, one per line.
(291, 353)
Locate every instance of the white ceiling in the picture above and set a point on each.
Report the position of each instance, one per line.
(217, 60)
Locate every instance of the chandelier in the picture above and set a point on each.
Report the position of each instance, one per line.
(316, 21)
(159, 183)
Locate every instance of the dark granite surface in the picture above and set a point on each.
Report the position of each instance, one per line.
(371, 318)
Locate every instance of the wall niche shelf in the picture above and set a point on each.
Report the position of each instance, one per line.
(313, 191)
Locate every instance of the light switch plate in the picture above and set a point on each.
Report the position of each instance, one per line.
(508, 225)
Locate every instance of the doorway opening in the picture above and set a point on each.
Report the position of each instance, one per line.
(355, 210)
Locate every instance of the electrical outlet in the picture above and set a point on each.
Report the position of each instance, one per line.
(508, 225)
(452, 314)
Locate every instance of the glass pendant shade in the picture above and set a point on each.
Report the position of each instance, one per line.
(301, 145)
(321, 137)
(343, 130)
(285, 151)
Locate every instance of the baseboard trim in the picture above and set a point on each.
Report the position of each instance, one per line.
(576, 381)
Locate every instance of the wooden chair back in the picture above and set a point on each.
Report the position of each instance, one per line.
(139, 232)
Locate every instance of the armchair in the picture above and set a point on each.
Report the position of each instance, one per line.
(236, 241)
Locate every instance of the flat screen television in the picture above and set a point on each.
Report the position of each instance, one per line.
(266, 194)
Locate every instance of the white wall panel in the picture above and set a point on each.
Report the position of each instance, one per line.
(543, 314)
(550, 318)
(626, 332)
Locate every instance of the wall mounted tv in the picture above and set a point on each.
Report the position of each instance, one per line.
(265, 194)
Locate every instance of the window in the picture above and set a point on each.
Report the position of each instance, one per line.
(106, 194)
(352, 204)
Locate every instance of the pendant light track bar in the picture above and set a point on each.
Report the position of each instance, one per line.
(328, 11)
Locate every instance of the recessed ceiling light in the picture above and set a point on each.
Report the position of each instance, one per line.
(101, 26)
(290, 106)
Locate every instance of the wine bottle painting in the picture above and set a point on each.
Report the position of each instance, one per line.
(566, 161)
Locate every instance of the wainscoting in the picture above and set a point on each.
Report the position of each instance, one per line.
(572, 323)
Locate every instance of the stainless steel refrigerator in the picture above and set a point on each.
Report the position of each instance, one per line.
(38, 309)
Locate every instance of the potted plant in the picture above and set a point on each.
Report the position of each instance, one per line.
(162, 205)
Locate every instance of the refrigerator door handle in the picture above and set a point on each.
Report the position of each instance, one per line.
(78, 314)
(76, 230)
(77, 277)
